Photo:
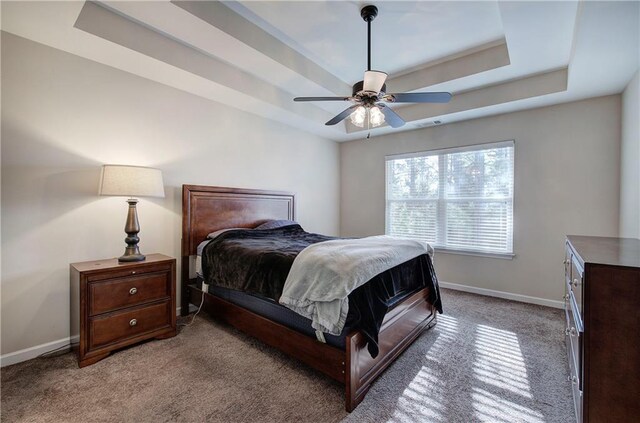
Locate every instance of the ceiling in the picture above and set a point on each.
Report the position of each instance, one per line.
(494, 56)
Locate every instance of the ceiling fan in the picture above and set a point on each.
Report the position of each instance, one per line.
(369, 95)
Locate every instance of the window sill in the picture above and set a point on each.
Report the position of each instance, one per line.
(502, 256)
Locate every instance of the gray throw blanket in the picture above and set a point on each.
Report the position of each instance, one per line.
(324, 274)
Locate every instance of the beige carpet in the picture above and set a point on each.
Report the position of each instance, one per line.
(486, 360)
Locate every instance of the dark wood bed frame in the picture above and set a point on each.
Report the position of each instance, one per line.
(206, 209)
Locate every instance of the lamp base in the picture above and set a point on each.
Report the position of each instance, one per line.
(131, 257)
(132, 227)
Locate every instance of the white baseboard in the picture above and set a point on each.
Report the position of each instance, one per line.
(33, 352)
(502, 294)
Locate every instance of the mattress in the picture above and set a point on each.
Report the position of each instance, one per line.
(273, 311)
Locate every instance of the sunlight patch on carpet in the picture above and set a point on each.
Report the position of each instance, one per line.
(500, 366)
(423, 399)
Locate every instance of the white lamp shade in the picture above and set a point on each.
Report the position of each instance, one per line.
(131, 181)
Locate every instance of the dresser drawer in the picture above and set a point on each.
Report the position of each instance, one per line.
(107, 329)
(574, 379)
(113, 294)
(576, 284)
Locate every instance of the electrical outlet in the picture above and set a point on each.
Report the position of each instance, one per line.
(205, 287)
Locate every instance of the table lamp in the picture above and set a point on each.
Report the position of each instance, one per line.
(131, 181)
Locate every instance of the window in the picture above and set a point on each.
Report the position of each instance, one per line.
(458, 199)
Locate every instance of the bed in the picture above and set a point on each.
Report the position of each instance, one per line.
(347, 359)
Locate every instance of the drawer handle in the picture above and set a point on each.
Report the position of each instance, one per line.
(133, 291)
(565, 297)
(576, 283)
(572, 379)
(133, 272)
(566, 332)
(133, 322)
(572, 331)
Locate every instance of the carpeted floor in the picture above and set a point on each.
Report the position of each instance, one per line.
(486, 360)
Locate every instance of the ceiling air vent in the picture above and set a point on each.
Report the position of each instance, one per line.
(429, 123)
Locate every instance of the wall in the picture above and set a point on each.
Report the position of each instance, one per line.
(64, 116)
(630, 161)
(566, 182)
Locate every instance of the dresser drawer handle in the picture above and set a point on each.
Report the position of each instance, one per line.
(572, 331)
(133, 291)
(566, 332)
(133, 322)
(576, 282)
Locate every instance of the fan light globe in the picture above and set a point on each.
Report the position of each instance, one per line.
(358, 116)
(376, 118)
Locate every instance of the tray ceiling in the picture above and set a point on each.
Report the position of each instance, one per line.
(494, 56)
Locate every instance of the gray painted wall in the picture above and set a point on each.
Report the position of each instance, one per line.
(630, 161)
(64, 116)
(567, 160)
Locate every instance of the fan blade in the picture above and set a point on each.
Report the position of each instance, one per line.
(418, 97)
(322, 99)
(373, 81)
(393, 119)
(343, 114)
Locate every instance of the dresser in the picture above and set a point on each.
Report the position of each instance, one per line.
(114, 305)
(602, 312)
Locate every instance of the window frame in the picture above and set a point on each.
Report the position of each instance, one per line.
(441, 201)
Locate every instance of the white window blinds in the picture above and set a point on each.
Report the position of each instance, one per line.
(455, 199)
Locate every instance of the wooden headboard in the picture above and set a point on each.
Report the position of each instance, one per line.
(206, 209)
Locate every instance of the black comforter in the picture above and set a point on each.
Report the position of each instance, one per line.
(258, 262)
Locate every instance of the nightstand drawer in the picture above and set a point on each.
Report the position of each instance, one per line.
(110, 295)
(104, 330)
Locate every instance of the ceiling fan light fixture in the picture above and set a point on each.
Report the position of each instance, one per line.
(361, 114)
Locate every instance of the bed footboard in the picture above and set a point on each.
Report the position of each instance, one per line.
(400, 328)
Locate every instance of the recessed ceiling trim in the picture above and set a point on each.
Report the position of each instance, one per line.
(98, 20)
(492, 56)
(228, 21)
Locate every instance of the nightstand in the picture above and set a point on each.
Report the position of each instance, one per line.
(114, 304)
